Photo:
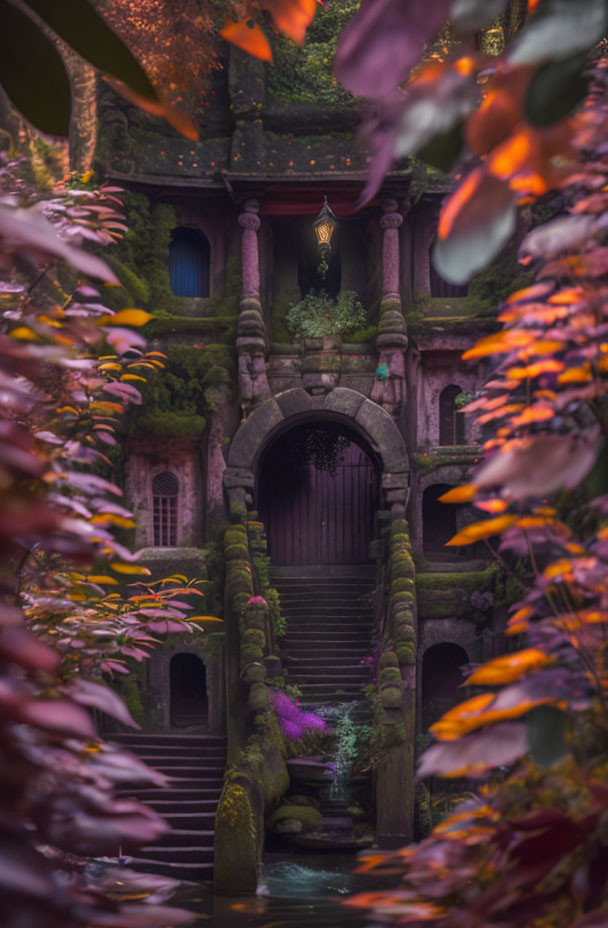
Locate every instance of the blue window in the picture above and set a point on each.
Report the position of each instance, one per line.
(189, 260)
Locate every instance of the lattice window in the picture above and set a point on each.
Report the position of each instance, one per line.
(165, 489)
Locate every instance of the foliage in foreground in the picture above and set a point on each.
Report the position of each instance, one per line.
(69, 366)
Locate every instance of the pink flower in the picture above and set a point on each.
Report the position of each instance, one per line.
(256, 601)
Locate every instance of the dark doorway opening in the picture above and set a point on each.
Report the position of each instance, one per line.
(438, 521)
(188, 691)
(317, 497)
(442, 677)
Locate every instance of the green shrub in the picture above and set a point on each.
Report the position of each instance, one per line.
(318, 314)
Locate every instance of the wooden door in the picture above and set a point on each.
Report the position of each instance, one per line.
(312, 516)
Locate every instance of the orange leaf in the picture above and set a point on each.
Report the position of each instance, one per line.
(509, 667)
(292, 17)
(533, 414)
(121, 568)
(576, 375)
(247, 35)
(499, 343)
(175, 117)
(459, 494)
(550, 366)
(491, 505)
(476, 531)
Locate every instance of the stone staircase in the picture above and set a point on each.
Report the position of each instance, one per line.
(329, 627)
(195, 767)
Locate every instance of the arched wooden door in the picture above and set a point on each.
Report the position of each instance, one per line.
(317, 497)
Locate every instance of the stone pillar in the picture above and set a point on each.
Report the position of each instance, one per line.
(251, 339)
(390, 224)
(250, 223)
(389, 388)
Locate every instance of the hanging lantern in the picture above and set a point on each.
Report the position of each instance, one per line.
(324, 226)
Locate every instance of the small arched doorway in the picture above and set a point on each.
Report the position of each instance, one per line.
(438, 521)
(317, 496)
(442, 676)
(188, 691)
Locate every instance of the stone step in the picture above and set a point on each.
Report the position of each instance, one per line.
(190, 783)
(199, 741)
(183, 760)
(196, 854)
(304, 649)
(190, 795)
(186, 837)
(324, 570)
(321, 659)
(306, 679)
(202, 822)
(345, 689)
(185, 807)
(344, 634)
(326, 629)
(205, 772)
(195, 873)
(350, 596)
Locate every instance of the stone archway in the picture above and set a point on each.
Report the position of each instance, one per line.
(343, 406)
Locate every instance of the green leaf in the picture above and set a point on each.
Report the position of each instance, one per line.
(546, 729)
(32, 72)
(560, 29)
(555, 90)
(84, 30)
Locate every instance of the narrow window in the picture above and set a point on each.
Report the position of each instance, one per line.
(451, 422)
(189, 261)
(164, 509)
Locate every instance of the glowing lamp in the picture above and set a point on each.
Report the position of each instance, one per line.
(324, 226)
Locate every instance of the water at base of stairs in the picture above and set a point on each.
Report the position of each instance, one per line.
(297, 891)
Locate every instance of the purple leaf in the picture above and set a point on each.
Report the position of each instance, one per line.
(57, 715)
(492, 747)
(98, 696)
(28, 231)
(379, 48)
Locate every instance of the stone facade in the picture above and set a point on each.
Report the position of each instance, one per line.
(253, 192)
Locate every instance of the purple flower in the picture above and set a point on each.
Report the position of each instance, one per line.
(293, 721)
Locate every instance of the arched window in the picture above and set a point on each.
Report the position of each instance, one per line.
(451, 422)
(165, 489)
(189, 261)
(441, 287)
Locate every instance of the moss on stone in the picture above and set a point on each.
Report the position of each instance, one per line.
(406, 653)
(309, 817)
(388, 659)
(391, 697)
(390, 674)
(236, 842)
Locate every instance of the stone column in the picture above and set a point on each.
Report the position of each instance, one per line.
(251, 341)
(250, 223)
(389, 388)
